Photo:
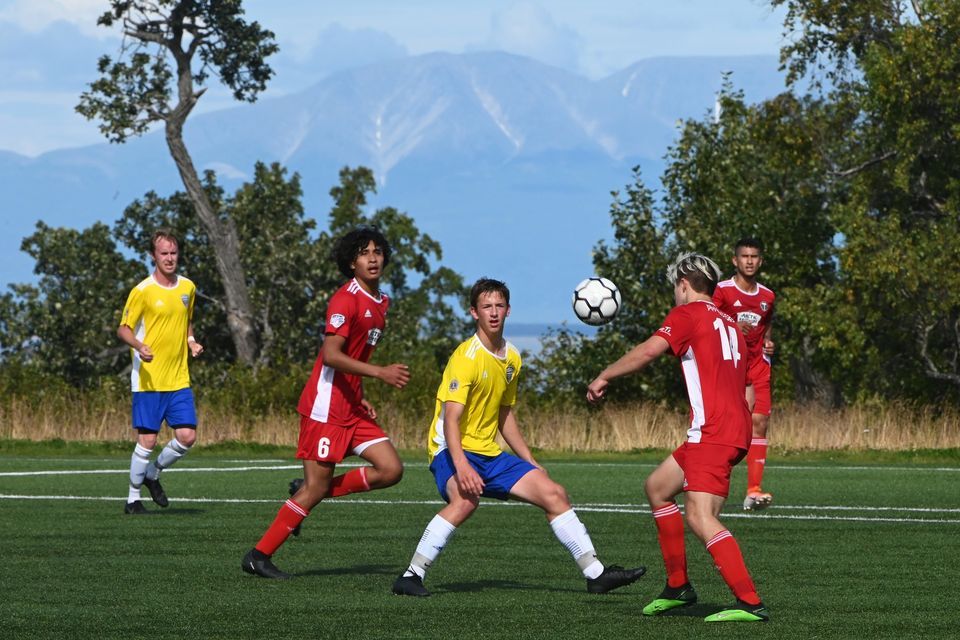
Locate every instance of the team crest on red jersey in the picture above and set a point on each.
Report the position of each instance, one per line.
(373, 336)
(764, 306)
(337, 320)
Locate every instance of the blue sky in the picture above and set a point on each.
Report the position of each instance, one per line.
(48, 48)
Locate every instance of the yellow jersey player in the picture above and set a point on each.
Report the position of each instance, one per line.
(475, 403)
(157, 324)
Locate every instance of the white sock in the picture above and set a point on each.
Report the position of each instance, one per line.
(573, 535)
(138, 467)
(167, 458)
(434, 539)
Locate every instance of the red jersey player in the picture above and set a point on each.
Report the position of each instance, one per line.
(751, 304)
(335, 420)
(707, 342)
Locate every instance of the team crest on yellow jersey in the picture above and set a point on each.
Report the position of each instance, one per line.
(510, 372)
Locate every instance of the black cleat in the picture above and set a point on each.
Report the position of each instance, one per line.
(135, 508)
(258, 563)
(614, 577)
(410, 586)
(295, 485)
(671, 598)
(156, 491)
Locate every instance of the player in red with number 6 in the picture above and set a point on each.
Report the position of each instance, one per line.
(335, 419)
(707, 341)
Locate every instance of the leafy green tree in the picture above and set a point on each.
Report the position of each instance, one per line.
(897, 198)
(170, 48)
(65, 325)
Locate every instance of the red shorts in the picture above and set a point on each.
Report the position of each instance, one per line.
(326, 442)
(758, 375)
(706, 467)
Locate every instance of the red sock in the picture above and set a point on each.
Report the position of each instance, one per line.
(756, 459)
(670, 536)
(729, 561)
(290, 515)
(353, 481)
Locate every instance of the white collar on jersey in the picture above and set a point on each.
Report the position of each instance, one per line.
(360, 288)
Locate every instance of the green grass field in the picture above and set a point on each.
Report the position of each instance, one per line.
(850, 550)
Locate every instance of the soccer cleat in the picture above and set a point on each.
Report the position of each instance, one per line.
(156, 491)
(135, 508)
(258, 563)
(410, 586)
(757, 501)
(671, 598)
(741, 612)
(295, 485)
(614, 577)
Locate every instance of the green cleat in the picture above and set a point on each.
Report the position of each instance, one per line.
(741, 612)
(671, 598)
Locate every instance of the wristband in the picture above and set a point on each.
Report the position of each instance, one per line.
(191, 339)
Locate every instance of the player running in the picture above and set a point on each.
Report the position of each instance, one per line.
(335, 419)
(157, 324)
(751, 304)
(474, 403)
(707, 342)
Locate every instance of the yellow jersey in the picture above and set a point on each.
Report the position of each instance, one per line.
(159, 317)
(482, 382)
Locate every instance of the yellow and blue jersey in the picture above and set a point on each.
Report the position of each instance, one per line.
(159, 316)
(482, 382)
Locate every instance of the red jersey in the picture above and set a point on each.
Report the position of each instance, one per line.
(709, 345)
(331, 395)
(754, 307)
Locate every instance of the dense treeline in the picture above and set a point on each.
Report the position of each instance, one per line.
(849, 177)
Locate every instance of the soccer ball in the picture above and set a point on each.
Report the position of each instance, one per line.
(596, 301)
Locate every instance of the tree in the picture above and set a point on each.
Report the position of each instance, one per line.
(137, 90)
(897, 200)
(65, 325)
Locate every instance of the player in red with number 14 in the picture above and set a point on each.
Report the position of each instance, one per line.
(335, 419)
(708, 343)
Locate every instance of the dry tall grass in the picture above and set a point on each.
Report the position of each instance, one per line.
(614, 429)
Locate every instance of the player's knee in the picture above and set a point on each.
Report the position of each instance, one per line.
(391, 474)
(187, 437)
(556, 498)
(463, 509)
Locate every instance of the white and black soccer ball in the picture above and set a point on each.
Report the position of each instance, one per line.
(596, 301)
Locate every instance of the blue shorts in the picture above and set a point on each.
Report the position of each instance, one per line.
(499, 473)
(151, 408)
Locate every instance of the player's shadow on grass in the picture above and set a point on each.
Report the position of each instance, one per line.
(483, 585)
(175, 511)
(359, 569)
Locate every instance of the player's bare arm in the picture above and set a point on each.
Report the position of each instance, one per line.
(768, 344)
(396, 375)
(469, 481)
(510, 430)
(631, 362)
(195, 347)
(125, 333)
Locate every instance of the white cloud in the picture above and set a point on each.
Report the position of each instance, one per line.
(528, 29)
(34, 15)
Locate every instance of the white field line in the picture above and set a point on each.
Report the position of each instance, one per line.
(276, 465)
(613, 508)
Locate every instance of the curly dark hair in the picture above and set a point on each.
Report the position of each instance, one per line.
(488, 285)
(349, 246)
